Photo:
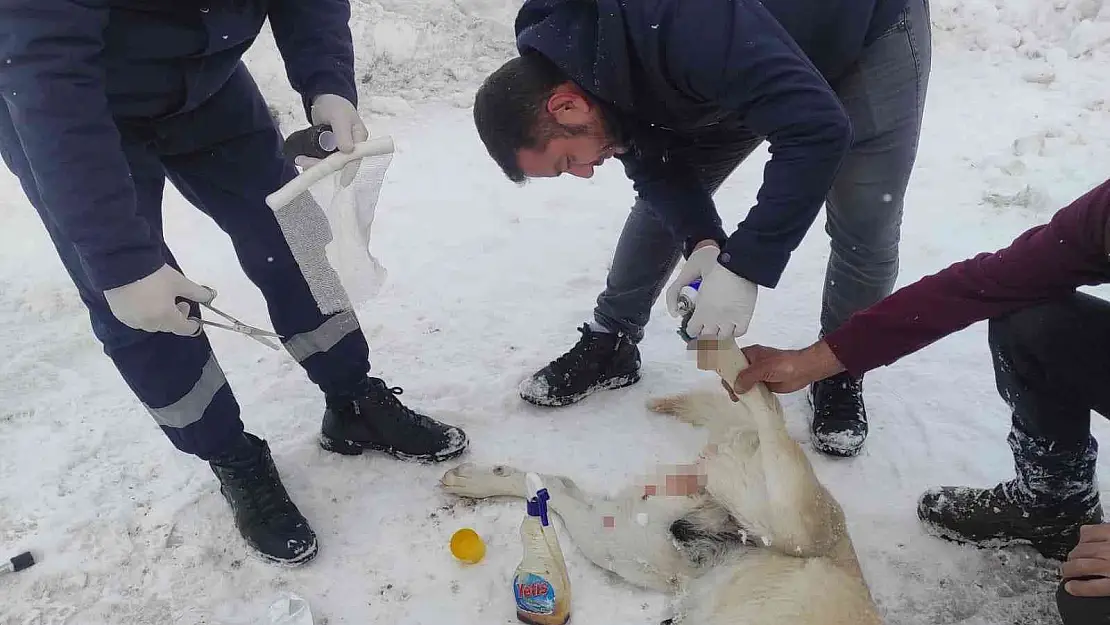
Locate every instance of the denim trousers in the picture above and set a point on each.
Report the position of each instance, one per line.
(884, 95)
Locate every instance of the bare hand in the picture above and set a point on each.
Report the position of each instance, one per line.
(786, 371)
(1090, 559)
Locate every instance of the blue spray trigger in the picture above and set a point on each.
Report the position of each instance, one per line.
(537, 498)
(537, 506)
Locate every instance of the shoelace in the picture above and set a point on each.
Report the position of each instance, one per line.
(388, 397)
(574, 356)
(266, 503)
(387, 393)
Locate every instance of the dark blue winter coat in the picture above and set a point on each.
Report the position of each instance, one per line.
(73, 71)
(681, 65)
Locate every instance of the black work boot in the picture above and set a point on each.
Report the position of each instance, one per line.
(378, 421)
(1053, 493)
(270, 523)
(1003, 516)
(598, 361)
(839, 426)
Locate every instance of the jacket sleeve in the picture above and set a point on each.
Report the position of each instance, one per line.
(676, 195)
(55, 94)
(314, 39)
(747, 63)
(1045, 262)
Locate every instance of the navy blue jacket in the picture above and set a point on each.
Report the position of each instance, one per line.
(673, 66)
(71, 71)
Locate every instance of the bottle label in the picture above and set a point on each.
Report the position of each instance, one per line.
(534, 594)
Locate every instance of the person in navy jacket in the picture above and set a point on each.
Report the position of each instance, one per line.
(681, 92)
(103, 101)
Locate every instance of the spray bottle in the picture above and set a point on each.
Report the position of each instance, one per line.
(541, 585)
(315, 141)
(687, 298)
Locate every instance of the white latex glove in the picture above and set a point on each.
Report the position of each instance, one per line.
(724, 305)
(150, 303)
(347, 126)
(700, 263)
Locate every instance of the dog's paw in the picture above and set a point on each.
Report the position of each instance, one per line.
(480, 481)
(667, 404)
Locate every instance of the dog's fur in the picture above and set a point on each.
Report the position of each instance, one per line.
(764, 543)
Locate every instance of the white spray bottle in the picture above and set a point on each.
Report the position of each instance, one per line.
(541, 585)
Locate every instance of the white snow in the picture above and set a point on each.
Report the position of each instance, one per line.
(487, 282)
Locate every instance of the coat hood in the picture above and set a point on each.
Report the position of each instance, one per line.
(586, 39)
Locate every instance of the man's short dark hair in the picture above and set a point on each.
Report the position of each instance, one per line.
(510, 110)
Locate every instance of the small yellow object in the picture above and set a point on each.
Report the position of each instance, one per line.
(467, 546)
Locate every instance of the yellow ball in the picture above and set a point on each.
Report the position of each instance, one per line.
(467, 546)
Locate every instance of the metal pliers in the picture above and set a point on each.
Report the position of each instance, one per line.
(257, 334)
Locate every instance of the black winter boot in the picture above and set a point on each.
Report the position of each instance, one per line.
(839, 426)
(1003, 516)
(598, 361)
(378, 421)
(1053, 493)
(270, 523)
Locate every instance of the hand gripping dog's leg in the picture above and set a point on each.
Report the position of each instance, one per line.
(801, 516)
(627, 535)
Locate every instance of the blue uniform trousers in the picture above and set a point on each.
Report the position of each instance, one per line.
(225, 158)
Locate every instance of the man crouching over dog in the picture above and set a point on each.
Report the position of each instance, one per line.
(1051, 350)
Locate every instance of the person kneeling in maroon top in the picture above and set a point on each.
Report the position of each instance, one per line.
(1050, 345)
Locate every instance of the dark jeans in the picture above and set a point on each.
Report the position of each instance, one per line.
(885, 99)
(1052, 365)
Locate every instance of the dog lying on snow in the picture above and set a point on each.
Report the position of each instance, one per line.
(763, 543)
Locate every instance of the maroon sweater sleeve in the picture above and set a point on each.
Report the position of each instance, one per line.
(1046, 262)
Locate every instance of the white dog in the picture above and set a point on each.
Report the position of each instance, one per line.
(763, 543)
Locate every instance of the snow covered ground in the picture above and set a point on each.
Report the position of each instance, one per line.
(487, 282)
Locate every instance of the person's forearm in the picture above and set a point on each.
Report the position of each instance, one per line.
(806, 155)
(1044, 263)
(821, 362)
(314, 39)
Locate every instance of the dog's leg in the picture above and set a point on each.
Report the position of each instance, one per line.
(803, 517)
(800, 517)
(683, 406)
(627, 535)
(703, 408)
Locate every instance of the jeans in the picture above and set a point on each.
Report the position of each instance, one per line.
(884, 95)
